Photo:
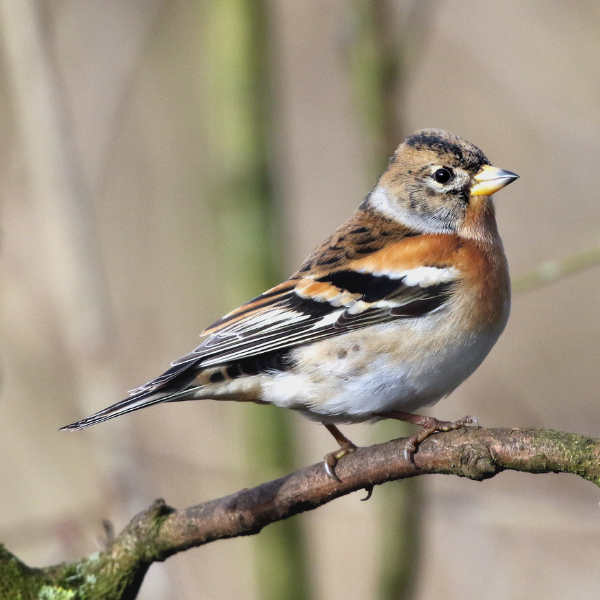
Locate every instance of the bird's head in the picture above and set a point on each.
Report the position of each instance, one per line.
(437, 182)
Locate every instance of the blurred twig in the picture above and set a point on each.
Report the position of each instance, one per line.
(388, 40)
(68, 244)
(161, 531)
(552, 271)
(235, 35)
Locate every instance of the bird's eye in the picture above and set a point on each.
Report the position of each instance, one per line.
(443, 175)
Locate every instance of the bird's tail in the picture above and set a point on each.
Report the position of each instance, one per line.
(135, 402)
(174, 384)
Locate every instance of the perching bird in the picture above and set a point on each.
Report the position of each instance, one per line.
(390, 314)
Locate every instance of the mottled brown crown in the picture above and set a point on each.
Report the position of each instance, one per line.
(448, 147)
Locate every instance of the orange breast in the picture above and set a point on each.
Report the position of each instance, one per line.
(485, 284)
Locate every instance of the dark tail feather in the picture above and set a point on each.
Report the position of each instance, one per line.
(137, 401)
(174, 384)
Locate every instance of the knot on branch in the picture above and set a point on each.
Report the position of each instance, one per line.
(476, 462)
(139, 536)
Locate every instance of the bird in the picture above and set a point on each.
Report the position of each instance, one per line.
(389, 315)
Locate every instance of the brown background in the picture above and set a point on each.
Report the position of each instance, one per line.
(518, 78)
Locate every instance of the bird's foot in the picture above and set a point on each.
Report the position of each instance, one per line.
(346, 446)
(332, 458)
(429, 426)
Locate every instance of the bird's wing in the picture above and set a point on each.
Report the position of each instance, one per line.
(356, 279)
(312, 307)
(299, 311)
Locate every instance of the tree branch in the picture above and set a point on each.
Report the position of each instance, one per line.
(161, 531)
(553, 270)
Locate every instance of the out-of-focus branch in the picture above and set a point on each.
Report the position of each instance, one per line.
(387, 42)
(161, 531)
(554, 270)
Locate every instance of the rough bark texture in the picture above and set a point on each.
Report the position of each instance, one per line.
(161, 531)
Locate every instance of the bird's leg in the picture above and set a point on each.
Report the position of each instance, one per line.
(429, 425)
(332, 458)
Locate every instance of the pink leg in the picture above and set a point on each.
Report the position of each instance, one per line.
(429, 426)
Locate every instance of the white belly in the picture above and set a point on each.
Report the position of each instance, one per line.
(354, 378)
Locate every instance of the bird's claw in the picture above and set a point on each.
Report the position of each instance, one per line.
(369, 490)
(409, 451)
(332, 458)
(330, 470)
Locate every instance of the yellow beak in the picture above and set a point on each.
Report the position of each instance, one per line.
(491, 179)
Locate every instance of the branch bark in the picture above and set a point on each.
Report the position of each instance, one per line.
(161, 531)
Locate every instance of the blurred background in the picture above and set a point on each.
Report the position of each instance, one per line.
(163, 161)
